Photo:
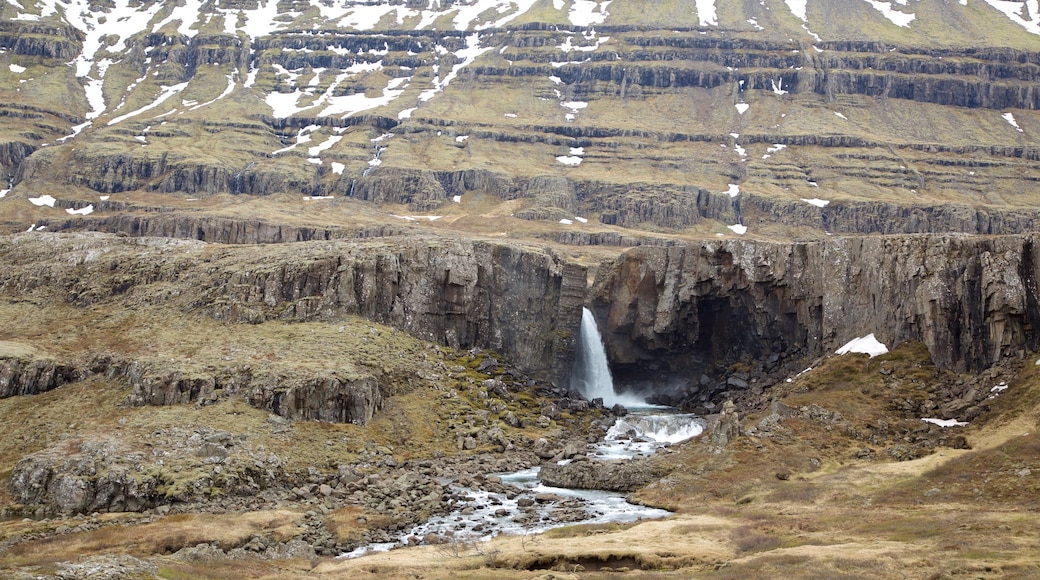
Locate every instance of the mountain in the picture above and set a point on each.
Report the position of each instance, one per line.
(282, 280)
(787, 118)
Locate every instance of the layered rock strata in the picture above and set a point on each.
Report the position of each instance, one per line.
(519, 301)
(701, 307)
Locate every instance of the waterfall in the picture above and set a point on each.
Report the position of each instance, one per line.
(591, 376)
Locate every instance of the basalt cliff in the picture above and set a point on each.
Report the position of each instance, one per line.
(282, 280)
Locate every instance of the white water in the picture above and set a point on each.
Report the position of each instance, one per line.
(643, 433)
(591, 375)
(640, 433)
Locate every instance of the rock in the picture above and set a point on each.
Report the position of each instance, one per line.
(450, 291)
(964, 297)
(627, 475)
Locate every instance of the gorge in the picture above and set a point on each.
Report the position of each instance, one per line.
(282, 281)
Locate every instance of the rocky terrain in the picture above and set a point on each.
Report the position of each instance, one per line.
(281, 280)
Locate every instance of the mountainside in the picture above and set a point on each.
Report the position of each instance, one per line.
(286, 280)
(784, 117)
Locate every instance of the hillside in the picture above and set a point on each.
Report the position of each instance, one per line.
(793, 118)
(284, 280)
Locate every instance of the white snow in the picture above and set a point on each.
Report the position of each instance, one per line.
(945, 422)
(706, 13)
(461, 138)
(1014, 10)
(338, 167)
(816, 201)
(4, 192)
(888, 11)
(1010, 118)
(778, 86)
(166, 93)
(797, 8)
(318, 149)
(742, 107)
(566, 222)
(841, 116)
(572, 108)
(42, 200)
(588, 12)
(571, 160)
(456, 198)
(734, 190)
(16, 68)
(316, 197)
(81, 211)
(104, 197)
(754, 22)
(581, 219)
(865, 345)
(412, 218)
(738, 229)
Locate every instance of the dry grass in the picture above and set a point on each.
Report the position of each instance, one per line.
(164, 536)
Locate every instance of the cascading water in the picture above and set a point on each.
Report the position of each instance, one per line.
(591, 376)
(641, 432)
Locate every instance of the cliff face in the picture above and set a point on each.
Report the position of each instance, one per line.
(519, 301)
(972, 301)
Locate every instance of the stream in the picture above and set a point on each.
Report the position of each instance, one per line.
(522, 505)
(529, 507)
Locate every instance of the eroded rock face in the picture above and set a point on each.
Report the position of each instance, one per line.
(519, 301)
(972, 301)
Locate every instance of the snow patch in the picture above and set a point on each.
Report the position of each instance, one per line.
(166, 93)
(1014, 11)
(734, 190)
(588, 12)
(1010, 118)
(738, 229)
(888, 11)
(864, 345)
(742, 107)
(945, 422)
(706, 13)
(81, 211)
(16, 68)
(816, 201)
(42, 200)
(338, 167)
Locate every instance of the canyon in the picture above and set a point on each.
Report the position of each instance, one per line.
(283, 281)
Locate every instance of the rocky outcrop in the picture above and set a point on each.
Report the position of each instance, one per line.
(972, 301)
(107, 475)
(22, 376)
(628, 475)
